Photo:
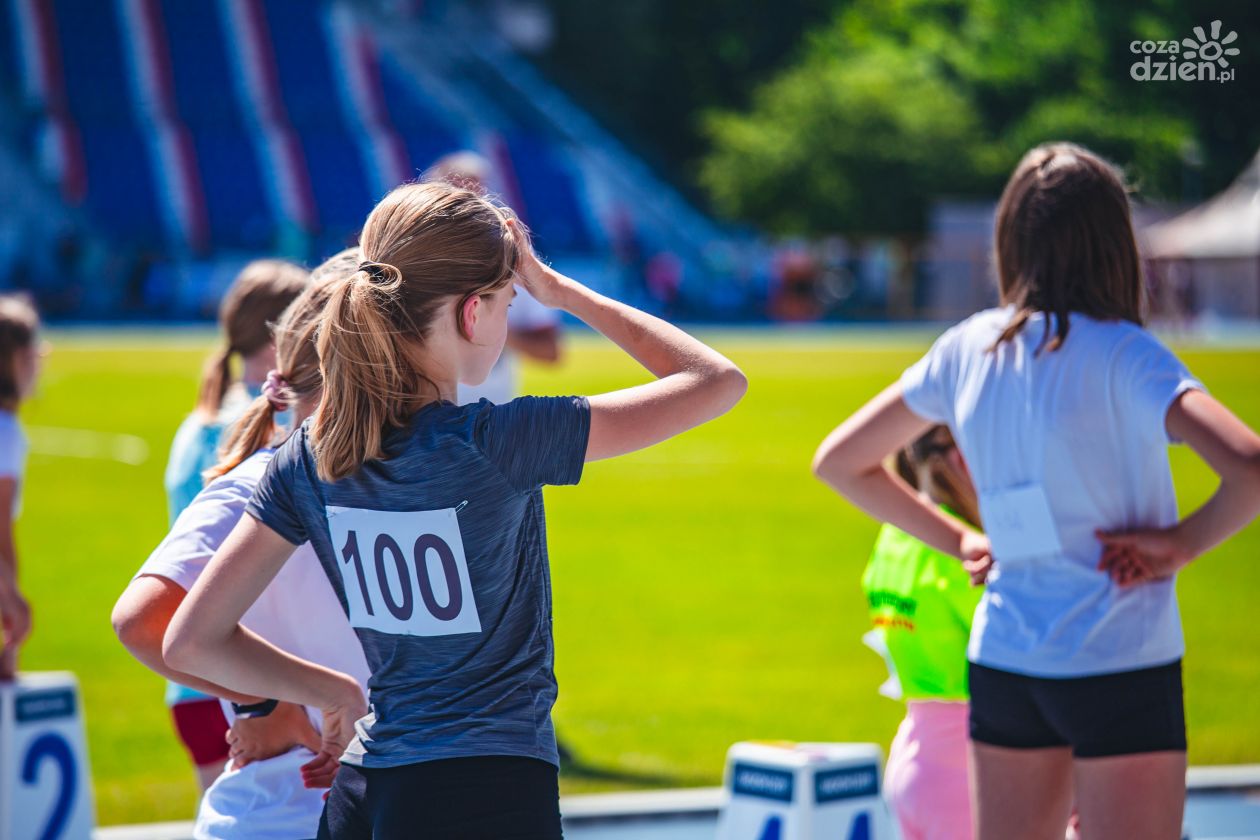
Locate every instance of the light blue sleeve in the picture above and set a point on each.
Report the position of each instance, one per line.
(12, 448)
(194, 450)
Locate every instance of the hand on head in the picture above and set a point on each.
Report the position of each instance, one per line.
(532, 274)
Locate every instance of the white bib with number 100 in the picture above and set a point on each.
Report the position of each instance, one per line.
(404, 572)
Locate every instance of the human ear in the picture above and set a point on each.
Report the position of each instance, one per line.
(469, 312)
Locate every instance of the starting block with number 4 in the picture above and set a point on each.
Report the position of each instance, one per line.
(804, 792)
(45, 785)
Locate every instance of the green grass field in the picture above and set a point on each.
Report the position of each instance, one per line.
(706, 591)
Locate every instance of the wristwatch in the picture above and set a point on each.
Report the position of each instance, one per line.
(255, 710)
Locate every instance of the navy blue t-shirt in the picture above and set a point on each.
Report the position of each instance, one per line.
(438, 554)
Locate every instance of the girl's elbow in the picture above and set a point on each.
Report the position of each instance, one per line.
(129, 627)
(180, 651)
(1251, 470)
(734, 383)
(824, 466)
(134, 626)
(834, 466)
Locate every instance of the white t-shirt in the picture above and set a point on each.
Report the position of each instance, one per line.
(13, 447)
(500, 386)
(298, 612)
(1059, 445)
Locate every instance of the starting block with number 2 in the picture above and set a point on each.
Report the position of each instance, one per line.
(45, 783)
(804, 792)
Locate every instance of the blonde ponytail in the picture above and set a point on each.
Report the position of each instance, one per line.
(365, 366)
(216, 378)
(255, 430)
(423, 245)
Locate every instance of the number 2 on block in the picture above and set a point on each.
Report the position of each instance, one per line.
(404, 572)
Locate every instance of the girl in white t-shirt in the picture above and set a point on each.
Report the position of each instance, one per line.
(19, 370)
(1063, 407)
(269, 790)
(257, 297)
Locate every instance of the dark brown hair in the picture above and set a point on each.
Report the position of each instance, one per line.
(256, 298)
(19, 326)
(1064, 242)
(297, 363)
(943, 482)
(423, 245)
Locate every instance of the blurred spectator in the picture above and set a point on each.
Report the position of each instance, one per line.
(533, 329)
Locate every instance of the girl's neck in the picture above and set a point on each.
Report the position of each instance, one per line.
(301, 410)
(254, 369)
(440, 380)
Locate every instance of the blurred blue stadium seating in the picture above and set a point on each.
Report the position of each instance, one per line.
(196, 131)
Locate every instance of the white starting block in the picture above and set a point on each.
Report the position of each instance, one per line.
(45, 785)
(804, 792)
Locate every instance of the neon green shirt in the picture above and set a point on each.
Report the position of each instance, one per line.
(922, 602)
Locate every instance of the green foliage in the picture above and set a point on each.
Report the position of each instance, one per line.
(834, 145)
(978, 81)
(648, 68)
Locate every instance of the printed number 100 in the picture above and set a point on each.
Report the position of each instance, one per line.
(402, 608)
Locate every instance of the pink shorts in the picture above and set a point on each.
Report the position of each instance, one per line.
(926, 782)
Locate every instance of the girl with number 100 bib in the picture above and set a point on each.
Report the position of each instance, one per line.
(428, 519)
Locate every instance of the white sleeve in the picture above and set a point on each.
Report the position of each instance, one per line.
(198, 532)
(526, 313)
(927, 386)
(1148, 377)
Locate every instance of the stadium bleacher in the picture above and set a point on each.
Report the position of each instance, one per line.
(211, 126)
(191, 137)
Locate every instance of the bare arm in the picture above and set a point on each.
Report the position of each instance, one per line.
(851, 461)
(694, 383)
(205, 638)
(15, 613)
(140, 619)
(1232, 450)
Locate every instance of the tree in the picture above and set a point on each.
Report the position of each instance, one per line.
(854, 145)
(896, 103)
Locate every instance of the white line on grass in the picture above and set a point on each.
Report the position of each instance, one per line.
(88, 443)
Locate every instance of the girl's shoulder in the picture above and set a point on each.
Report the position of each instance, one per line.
(981, 328)
(250, 470)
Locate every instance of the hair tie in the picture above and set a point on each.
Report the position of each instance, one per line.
(274, 390)
(376, 270)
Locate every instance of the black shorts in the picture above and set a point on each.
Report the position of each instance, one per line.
(1112, 714)
(499, 797)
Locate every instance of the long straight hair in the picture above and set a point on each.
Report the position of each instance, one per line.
(253, 302)
(1064, 243)
(423, 245)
